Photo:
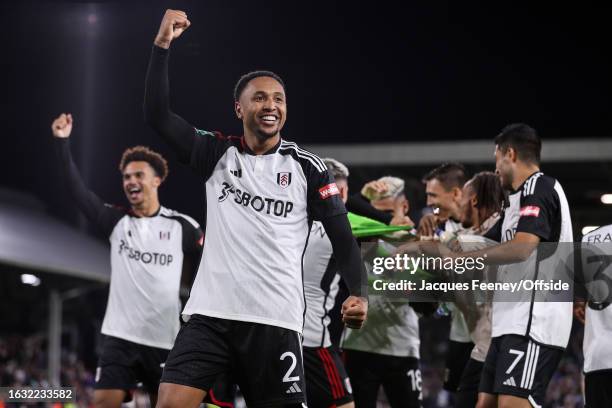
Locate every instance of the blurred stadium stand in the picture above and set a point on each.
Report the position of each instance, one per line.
(43, 264)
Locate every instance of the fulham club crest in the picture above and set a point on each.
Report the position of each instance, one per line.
(283, 179)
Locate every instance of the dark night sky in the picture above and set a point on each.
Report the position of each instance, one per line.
(355, 72)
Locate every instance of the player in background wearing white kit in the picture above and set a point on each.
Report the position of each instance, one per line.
(246, 308)
(375, 201)
(150, 244)
(596, 259)
(327, 384)
(529, 333)
(481, 206)
(385, 353)
(443, 187)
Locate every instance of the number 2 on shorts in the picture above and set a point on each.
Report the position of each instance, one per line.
(287, 377)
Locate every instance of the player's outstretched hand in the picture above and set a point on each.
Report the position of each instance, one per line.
(354, 312)
(62, 125)
(427, 225)
(173, 24)
(374, 189)
(401, 220)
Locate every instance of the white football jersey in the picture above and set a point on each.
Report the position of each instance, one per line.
(596, 265)
(538, 207)
(459, 331)
(147, 256)
(321, 284)
(392, 327)
(259, 211)
(146, 265)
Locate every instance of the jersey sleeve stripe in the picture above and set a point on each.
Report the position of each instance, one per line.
(530, 185)
(170, 213)
(318, 166)
(305, 154)
(193, 222)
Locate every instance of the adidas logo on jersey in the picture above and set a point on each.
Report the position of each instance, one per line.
(510, 382)
(294, 389)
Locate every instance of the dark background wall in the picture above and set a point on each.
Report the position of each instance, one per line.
(356, 72)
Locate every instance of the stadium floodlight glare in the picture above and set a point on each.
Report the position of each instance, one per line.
(28, 279)
(589, 228)
(606, 198)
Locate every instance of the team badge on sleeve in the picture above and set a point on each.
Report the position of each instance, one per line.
(283, 179)
(329, 190)
(530, 211)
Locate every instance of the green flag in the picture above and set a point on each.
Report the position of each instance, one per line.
(367, 227)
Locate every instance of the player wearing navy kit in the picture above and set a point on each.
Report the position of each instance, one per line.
(150, 244)
(246, 308)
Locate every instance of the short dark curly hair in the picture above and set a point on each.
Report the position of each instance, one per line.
(246, 78)
(489, 192)
(143, 153)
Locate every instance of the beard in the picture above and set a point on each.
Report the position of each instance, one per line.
(262, 135)
(506, 181)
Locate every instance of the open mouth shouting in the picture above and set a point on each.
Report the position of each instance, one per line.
(134, 193)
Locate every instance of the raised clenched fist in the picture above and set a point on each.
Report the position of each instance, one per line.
(374, 189)
(172, 26)
(354, 312)
(62, 125)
